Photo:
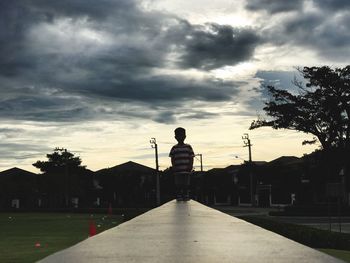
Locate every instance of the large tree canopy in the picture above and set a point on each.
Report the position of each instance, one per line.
(58, 161)
(321, 107)
(62, 177)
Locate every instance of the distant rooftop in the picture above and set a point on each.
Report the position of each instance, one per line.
(16, 171)
(127, 167)
(283, 160)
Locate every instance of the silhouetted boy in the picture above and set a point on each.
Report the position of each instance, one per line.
(182, 164)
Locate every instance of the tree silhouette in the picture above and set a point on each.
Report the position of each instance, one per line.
(321, 108)
(58, 161)
(62, 176)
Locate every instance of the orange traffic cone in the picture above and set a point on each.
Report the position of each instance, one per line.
(92, 228)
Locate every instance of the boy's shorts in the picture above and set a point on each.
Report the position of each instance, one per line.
(182, 179)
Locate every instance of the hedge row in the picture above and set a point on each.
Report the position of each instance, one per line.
(308, 236)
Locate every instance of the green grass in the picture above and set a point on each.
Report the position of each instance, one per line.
(334, 244)
(312, 237)
(20, 232)
(341, 254)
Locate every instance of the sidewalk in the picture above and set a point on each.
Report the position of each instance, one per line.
(188, 232)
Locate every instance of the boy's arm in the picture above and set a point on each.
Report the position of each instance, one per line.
(191, 160)
(172, 161)
(191, 164)
(171, 155)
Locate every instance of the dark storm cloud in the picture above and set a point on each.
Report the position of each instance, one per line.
(8, 133)
(329, 36)
(82, 103)
(10, 130)
(13, 25)
(42, 108)
(332, 4)
(159, 114)
(63, 60)
(91, 8)
(20, 18)
(200, 115)
(162, 89)
(274, 6)
(325, 30)
(216, 45)
(21, 150)
(165, 117)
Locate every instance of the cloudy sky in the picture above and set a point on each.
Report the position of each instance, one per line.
(101, 78)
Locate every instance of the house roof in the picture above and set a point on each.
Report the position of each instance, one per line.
(231, 169)
(215, 170)
(284, 160)
(223, 171)
(260, 162)
(127, 167)
(16, 171)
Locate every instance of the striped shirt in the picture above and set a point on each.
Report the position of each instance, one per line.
(182, 158)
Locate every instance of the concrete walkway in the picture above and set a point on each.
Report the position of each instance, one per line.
(188, 232)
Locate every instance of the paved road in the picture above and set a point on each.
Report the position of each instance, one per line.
(188, 232)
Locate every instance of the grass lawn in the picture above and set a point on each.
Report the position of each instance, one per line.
(332, 243)
(342, 254)
(21, 233)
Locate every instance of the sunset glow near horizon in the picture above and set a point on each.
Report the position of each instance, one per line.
(101, 78)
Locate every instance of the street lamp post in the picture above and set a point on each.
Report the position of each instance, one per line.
(155, 146)
(247, 143)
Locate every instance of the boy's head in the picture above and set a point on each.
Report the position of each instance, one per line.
(180, 134)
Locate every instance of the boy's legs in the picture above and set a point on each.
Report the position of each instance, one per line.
(186, 186)
(182, 183)
(178, 186)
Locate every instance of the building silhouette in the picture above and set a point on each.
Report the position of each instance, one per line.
(285, 181)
